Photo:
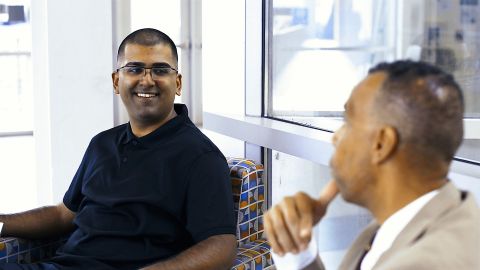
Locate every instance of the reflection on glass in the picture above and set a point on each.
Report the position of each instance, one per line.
(321, 48)
(17, 155)
(16, 104)
(448, 33)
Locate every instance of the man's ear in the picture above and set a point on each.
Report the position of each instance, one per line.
(115, 82)
(178, 92)
(385, 144)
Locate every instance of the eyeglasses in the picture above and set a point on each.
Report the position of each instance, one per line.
(137, 72)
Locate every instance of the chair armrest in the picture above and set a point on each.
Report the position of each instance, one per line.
(20, 250)
(254, 255)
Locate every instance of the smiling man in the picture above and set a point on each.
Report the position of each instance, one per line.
(403, 125)
(153, 193)
(148, 99)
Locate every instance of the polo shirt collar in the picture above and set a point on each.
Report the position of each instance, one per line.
(168, 128)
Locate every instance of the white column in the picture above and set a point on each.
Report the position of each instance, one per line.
(121, 28)
(73, 96)
(191, 57)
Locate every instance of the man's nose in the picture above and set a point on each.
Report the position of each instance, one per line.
(147, 77)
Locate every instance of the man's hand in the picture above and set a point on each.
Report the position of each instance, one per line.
(289, 224)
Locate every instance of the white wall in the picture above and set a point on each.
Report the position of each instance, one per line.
(223, 59)
(73, 96)
(223, 66)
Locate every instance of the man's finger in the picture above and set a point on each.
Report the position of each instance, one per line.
(305, 207)
(282, 232)
(329, 192)
(293, 218)
(271, 235)
(327, 195)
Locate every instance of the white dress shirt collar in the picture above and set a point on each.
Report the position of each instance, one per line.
(392, 227)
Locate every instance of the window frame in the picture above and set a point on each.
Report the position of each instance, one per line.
(255, 127)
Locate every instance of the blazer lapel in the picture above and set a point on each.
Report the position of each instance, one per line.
(360, 246)
(447, 198)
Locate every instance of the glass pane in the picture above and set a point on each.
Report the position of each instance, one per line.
(447, 33)
(17, 174)
(16, 104)
(17, 153)
(161, 15)
(321, 48)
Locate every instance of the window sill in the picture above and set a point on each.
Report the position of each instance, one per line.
(303, 142)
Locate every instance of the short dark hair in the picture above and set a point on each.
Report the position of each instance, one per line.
(426, 106)
(147, 37)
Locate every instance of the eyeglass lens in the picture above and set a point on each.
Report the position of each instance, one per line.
(155, 72)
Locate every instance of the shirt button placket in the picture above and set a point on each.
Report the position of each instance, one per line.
(134, 143)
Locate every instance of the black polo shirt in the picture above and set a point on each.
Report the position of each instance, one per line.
(142, 200)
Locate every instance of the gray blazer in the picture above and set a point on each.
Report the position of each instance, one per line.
(445, 234)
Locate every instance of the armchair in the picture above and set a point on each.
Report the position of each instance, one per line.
(249, 203)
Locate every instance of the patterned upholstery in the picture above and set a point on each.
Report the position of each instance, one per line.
(26, 251)
(249, 203)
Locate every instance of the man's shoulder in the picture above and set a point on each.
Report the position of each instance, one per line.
(462, 212)
(192, 137)
(109, 135)
(450, 244)
(458, 225)
(461, 223)
(448, 240)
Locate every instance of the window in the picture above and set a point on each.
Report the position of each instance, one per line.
(17, 169)
(16, 80)
(321, 49)
(318, 51)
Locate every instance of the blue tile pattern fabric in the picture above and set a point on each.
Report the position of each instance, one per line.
(26, 251)
(249, 202)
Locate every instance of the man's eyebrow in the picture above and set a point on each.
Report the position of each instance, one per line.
(141, 64)
(161, 64)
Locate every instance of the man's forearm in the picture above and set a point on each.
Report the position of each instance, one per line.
(214, 253)
(44, 222)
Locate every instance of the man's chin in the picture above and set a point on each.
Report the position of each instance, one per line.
(346, 197)
(147, 119)
(343, 192)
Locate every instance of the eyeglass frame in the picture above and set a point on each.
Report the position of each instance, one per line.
(145, 68)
